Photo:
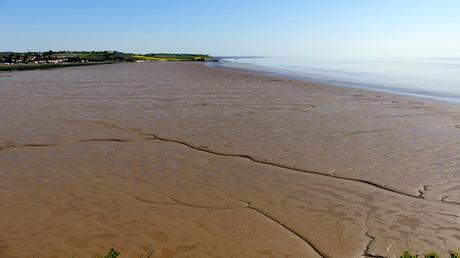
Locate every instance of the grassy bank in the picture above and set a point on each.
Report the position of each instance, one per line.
(173, 57)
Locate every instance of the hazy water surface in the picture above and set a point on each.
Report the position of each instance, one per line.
(435, 78)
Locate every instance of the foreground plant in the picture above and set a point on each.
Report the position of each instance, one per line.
(408, 254)
(113, 253)
(432, 255)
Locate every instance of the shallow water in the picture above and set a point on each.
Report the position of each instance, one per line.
(433, 78)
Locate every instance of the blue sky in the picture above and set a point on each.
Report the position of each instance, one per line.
(314, 29)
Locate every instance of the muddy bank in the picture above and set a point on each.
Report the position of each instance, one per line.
(183, 159)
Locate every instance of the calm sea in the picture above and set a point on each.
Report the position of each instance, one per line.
(433, 78)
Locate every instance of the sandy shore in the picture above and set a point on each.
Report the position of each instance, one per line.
(184, 160)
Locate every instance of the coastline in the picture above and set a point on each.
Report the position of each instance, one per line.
(26, 67)
(152, 153)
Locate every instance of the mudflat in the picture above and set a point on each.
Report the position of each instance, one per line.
(185, 160)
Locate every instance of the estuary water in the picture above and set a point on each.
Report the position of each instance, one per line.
(433, 78)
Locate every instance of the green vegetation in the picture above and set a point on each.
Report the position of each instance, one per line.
(11, 61)
(173, 57)
(408, 254)
(433, 254)
(113, 253)
(96, 56)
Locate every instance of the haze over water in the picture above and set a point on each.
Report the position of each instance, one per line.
(434, 78)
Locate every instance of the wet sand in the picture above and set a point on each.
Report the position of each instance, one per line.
(184, 160)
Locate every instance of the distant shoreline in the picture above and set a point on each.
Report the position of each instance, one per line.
(20, 61)
(25, 67)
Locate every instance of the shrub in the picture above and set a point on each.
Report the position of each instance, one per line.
(113, 253)
(408, 254)
(432, 255)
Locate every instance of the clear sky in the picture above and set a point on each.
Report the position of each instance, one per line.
(308, 28)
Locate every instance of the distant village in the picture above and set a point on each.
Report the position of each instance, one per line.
(39, 58)
(62, 57)
(78, 57)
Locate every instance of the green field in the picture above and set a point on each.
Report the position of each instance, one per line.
(173, 57)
